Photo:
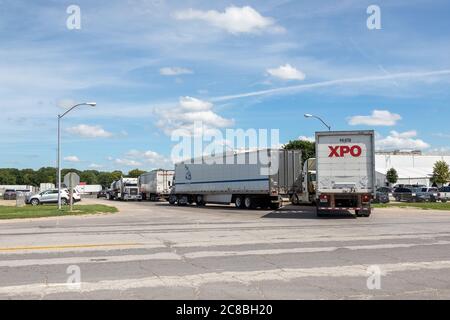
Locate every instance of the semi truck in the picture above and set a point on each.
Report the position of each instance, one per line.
(124, 189)
(345, 172)
(251, 179)
(156, 184)
(305, 189)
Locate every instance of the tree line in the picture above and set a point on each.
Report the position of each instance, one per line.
(11, 176)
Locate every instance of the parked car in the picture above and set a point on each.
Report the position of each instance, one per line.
(10, 194)
(444, 194)
(425, 194)
(101, 194)
(51, 196)
(382, 195)
(402, 194)
(384, 190)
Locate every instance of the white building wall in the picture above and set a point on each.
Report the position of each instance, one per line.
(411, 169)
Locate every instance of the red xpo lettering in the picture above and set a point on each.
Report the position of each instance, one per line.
(341, 151)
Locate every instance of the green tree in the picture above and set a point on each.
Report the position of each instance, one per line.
(441, 173)
(88, 177)
(135, 173)
(27, 177)
(46, 175)
(308, 148)
(105, 179)
(116, 175)
(392, 176)
(6, 177)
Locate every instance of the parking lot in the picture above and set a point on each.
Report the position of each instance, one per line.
(156, 251)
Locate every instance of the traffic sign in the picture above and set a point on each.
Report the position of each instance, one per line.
(71, 180)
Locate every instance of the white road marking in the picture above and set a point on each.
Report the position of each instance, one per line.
(210, 242)
(202, 254)
(196, 280)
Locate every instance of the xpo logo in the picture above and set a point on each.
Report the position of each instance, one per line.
(341, 151)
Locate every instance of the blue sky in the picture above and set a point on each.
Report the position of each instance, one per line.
(153, 66)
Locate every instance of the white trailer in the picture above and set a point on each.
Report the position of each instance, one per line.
(156, 184)
(88, 188)
(345, 164)
(249, 179)
(124, 189)
(46, 186)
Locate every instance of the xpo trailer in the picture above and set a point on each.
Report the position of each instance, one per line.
(345, 164)
(249, 179)
(124, 189)
(156, 184)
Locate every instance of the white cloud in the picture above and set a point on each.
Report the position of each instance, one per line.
(377, 118)
(146, 159)
(95, 166)
(305, 138)
(235, 20)
(71, 159)
(286, 72)
(401, 140)
(87, 131)
(190, 111)
(128, 162)
(174, 71)
(407, 76)
(193, 104)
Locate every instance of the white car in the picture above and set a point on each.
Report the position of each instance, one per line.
(51, 196)
(444, 194)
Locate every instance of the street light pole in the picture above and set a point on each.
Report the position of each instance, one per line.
(307, 115)
(59, 162)
(92, 104)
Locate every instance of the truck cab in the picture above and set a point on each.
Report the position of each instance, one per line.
(305, 191)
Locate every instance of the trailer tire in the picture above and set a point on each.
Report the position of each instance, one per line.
(183, 201)
(199, 201)
(294, 199)
(248, 203)
(238, 202)
(172, 199)
(363, 213)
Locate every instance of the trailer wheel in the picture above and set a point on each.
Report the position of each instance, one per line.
(294, 199)
(363, 213)
(238, 202)
(248, 203)
(183, 201)
(199, 201)
(172, 199)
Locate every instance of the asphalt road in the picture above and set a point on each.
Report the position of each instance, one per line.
(157, 251)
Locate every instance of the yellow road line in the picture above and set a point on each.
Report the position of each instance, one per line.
(70, 246)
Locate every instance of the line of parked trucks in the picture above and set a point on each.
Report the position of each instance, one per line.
(340, 178)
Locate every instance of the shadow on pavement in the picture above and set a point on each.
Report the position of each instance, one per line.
(304, 212)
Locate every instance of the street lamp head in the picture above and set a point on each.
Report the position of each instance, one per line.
(308, 115)
(92, 104)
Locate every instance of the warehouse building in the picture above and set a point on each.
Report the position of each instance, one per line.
(412, 167)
